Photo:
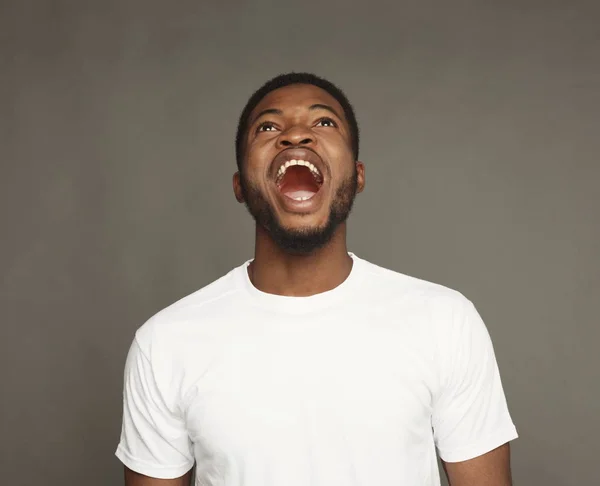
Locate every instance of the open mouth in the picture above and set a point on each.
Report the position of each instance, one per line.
(299, 180)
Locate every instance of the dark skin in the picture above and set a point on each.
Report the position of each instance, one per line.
(273, 269)
(491, 469)
(295, 116)
(135, 479)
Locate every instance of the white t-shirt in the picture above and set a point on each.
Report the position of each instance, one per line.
(355, 386)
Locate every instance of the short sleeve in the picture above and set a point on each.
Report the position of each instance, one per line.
(470, 413)
(154, 440)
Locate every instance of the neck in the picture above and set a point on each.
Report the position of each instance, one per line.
(275, 271)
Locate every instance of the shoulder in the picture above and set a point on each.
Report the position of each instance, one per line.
(412, 289)
(177, 321)
(444, 317)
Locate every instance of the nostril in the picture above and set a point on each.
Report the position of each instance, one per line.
(306, 141)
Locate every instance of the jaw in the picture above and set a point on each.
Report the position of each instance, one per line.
(298, 226)
(298, 235)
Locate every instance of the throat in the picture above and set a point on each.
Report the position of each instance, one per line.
(299, 184)
(300, 276)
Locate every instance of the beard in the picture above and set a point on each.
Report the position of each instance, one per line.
(304, 240)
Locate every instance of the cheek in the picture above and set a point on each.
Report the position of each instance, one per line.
(260, 145)
(258, 157)
(337, 145)
(342, 162)
(253, 177)
(254, 164)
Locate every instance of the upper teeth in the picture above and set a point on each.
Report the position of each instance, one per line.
(289, 163)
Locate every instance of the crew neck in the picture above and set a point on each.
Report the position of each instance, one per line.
(296, 305)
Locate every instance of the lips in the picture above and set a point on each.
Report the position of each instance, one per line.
(299, 175)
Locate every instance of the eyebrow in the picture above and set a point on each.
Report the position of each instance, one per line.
(320, 106)
(277, 111)
(268, 111)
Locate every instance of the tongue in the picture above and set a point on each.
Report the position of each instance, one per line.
(298, 194)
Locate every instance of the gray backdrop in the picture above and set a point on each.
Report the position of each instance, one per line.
(480, 138)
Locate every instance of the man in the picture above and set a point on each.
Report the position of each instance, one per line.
(309, 366)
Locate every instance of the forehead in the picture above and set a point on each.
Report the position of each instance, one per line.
(297, 97)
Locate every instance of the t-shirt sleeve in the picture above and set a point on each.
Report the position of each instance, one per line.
(154, 439)
(470, 414)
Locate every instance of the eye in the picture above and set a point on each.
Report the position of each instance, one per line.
(326, 122)
(266, 127)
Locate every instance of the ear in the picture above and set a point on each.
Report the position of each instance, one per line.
(360, 176)
(237, 187)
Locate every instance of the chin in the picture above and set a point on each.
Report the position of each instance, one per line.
(303, 223)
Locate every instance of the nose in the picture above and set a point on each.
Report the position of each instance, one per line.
(295, 136)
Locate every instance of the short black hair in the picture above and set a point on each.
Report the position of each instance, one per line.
(288, 79)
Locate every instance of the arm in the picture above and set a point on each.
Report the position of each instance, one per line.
(135, 479)
(154, 446)
(491, 469)
(471, 422)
